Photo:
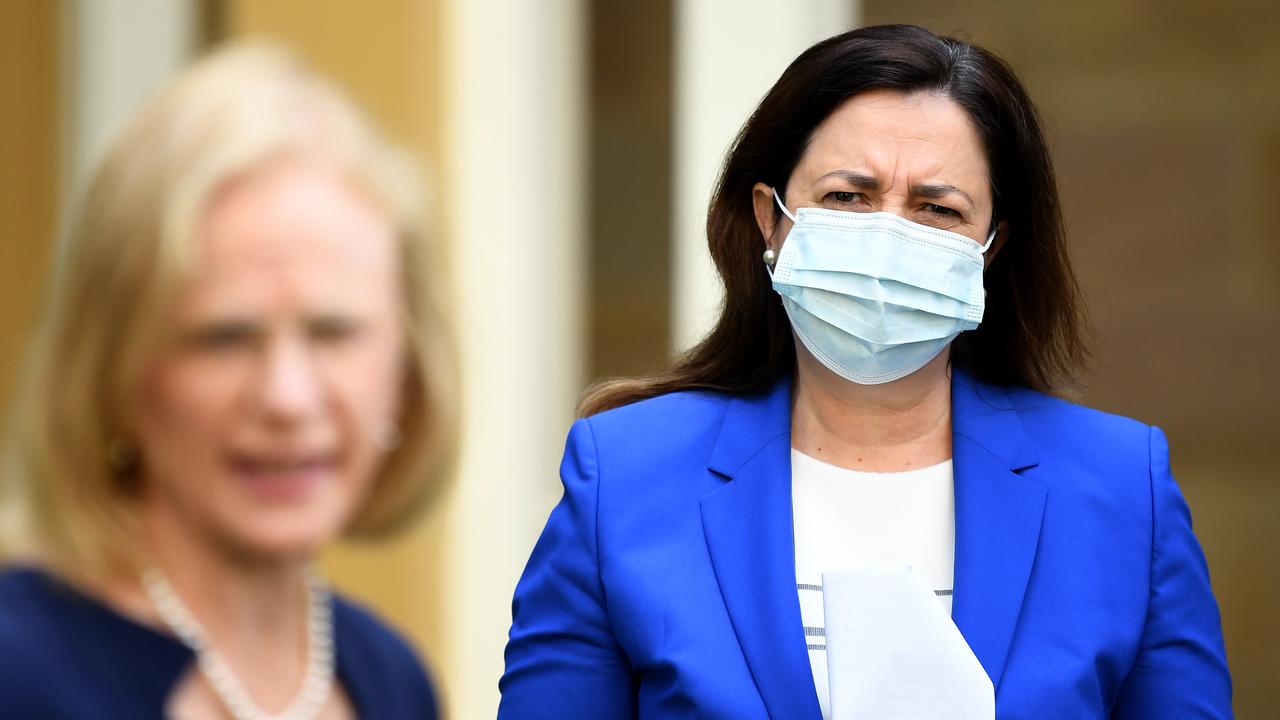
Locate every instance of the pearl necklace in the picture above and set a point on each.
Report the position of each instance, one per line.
(306, 705)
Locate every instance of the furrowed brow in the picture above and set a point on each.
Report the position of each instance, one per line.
(938, 192)
(857, 179)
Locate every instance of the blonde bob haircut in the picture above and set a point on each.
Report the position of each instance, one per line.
(71, 497)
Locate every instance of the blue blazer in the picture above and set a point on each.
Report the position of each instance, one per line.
(664, 583)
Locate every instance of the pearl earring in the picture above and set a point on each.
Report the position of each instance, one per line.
(770, 257)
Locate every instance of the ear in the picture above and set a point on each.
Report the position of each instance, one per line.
(768, 218)
(1002, 234)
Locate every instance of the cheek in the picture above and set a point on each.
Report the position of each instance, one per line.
(183, 412)
(368, 381)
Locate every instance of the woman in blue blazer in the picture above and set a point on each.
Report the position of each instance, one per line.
(891, 204)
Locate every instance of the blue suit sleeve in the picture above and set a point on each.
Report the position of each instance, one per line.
(1181, 667)
(562, 659)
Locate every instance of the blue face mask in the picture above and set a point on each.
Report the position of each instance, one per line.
(874, 297)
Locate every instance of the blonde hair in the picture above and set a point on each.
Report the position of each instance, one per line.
(129, 249)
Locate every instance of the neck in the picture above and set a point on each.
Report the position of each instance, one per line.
(896, 426)
(252, 611)
(238, 599)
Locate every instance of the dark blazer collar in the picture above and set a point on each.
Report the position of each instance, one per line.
(748, 528)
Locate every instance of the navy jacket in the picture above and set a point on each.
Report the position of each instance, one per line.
(64, 656)
(664, 583)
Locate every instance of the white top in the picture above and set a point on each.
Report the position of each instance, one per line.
(852, 520)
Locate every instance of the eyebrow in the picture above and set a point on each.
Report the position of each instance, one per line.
(937, 192)
(867, 182)
(859, 180)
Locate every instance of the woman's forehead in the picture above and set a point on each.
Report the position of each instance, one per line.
(899, 139)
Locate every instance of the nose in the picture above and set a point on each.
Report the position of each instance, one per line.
(290, 387)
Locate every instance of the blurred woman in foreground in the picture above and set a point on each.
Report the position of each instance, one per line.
(243, 360)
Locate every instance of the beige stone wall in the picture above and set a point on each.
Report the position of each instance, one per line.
(28, 181)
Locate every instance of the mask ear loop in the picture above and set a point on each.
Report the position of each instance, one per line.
(770, 259)
(990, 239)
(783, 207)
(995, 228)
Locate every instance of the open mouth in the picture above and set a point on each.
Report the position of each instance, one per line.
(283, 478)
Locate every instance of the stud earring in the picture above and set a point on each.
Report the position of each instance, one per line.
(770, 257)
(121, 454)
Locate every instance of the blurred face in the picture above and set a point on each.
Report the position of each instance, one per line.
(258, 421)
(915, 155)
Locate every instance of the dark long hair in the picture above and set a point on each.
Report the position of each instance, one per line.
(1032, 333)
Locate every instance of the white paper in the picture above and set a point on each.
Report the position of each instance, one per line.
(893, 651)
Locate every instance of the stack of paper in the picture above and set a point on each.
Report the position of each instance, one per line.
(893, 652)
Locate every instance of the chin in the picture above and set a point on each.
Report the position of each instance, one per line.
(283, 535)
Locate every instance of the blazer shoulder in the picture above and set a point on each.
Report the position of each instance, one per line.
(662, 441)
(661, 419)
(370, 638)
(1103, 445)
(34, 659)
(27, 611)
(1047, 412)
(379, 659)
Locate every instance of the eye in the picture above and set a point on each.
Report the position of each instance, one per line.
(333, 329)
(221, 337)
(843, 197)
(940, 210)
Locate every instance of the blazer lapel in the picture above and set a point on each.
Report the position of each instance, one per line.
(998, 517)
(748, 528)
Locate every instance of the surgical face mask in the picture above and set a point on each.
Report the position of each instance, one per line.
(874, 297)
